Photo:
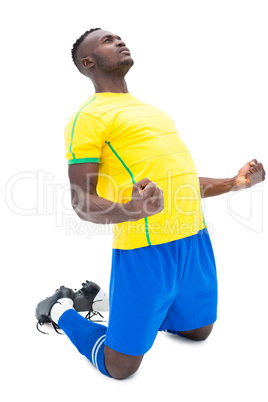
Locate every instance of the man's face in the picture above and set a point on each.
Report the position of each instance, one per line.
(107, 51)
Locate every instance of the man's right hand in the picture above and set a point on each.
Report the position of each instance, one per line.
(147, 199)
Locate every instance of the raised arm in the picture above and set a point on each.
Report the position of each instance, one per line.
(249, 175)
(147, 198)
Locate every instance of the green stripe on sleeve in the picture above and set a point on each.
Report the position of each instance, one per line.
(72, 135)
(83, 160)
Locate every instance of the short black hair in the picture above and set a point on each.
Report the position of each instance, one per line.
(78, 43)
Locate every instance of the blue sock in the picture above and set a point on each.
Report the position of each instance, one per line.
(87, 336)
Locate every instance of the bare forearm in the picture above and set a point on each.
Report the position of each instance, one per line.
(146, 199)
(98, 210)
(210, 187)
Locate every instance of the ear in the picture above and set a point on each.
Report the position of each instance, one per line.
(87, 62)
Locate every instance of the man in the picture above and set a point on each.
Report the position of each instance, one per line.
(129, 167)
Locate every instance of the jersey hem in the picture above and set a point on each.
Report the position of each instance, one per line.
(126, 246)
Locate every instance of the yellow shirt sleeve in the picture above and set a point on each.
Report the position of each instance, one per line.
(84, 138)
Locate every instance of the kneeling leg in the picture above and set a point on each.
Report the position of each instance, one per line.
(199, 334)
(119, 365)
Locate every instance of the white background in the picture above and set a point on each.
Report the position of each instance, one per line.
(203, 62)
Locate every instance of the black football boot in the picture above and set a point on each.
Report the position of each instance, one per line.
(43, 308)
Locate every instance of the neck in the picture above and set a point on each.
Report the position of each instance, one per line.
(110, 84)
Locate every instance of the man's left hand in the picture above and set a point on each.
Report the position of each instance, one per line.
(250, 174)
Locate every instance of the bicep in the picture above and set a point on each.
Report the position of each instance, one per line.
(83, 177)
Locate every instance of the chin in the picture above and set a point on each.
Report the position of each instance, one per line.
(123, 67)
(126, 64)
(128, 61)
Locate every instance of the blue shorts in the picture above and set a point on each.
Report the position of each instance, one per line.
(170, 286)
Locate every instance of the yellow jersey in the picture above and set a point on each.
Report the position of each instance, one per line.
(132, 140)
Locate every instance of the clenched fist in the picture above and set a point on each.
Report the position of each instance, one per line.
(249, 175)
(147, 199)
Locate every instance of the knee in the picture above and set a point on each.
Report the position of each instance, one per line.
(119, 365)
(199, 337)
(199, 334)
(121, 373)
